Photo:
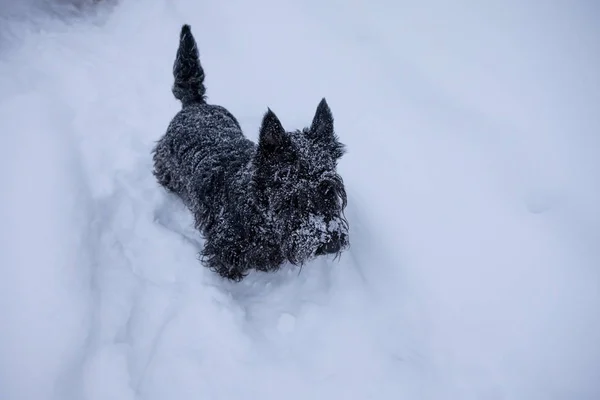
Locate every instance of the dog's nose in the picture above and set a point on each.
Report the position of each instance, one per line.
(331, 247)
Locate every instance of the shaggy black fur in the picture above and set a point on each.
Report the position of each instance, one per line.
(258, 205)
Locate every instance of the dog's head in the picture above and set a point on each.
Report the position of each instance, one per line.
(296, 181)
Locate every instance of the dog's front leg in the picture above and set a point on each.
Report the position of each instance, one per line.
(224, 260)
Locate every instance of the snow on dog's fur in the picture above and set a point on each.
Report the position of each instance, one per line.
(258, 205)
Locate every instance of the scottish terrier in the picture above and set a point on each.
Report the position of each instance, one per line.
(257, 205)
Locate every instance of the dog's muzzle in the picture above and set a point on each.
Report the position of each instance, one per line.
(333, 246)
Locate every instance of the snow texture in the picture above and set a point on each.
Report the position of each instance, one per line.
(473, 186)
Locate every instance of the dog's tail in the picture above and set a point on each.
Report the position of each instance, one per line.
(189, 75)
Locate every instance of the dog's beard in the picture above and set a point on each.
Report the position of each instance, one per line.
(315, 232)
(301, 244)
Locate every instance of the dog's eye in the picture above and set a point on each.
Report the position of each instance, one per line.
(325, 188)
(299, 200)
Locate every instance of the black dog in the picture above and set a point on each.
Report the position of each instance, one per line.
(258, 205)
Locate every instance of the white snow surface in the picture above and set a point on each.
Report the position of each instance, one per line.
(473, 175)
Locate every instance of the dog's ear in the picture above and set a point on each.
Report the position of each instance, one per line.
(322, 124)
(271, 135)
(321, 130)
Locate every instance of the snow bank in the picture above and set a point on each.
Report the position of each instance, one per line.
(46, 250)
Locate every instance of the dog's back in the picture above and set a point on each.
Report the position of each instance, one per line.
(204, 145)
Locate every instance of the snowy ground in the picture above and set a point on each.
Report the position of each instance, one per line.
(473, 175)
